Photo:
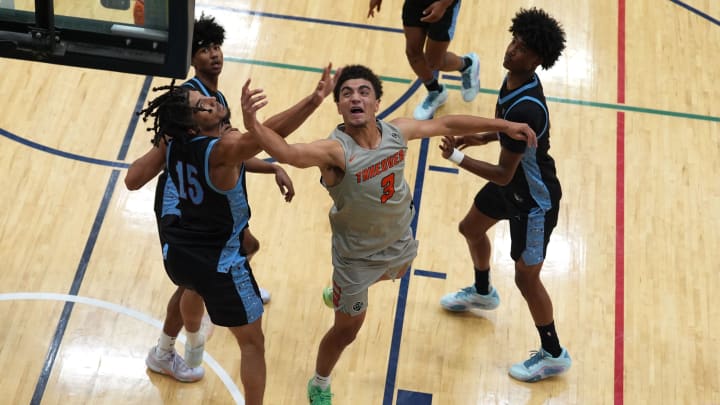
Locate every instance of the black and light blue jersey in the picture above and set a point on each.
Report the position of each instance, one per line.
(198, 216)
(166, 197)
(535, 183)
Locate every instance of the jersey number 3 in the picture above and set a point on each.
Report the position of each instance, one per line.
(188, 184)
(388, 187)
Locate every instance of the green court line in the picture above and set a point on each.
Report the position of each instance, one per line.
(610, 106)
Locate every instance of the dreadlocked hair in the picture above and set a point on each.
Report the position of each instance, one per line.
(171, 113)
(541, 33)
(358, 72)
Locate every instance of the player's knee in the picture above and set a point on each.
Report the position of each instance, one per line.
(346, 336)
(467, 230)
(527, 278)
(249, 339)
(414, 56)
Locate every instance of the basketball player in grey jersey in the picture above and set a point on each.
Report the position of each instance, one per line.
(362, 166)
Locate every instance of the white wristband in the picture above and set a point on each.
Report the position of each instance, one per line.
(456, 156)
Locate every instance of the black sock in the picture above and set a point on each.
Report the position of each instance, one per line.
(549, 339)
(482, 281)
(432, 85)
(468, 63)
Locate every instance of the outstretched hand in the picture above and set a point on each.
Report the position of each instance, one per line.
(251, 101)
(447, 146)
(374, 5)
(521, 132)
(286, 185)
(326, 85)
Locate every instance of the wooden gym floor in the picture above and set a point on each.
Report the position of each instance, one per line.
(632, 267)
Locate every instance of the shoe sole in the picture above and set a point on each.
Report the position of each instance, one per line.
(415, 116)
(545, 372)
(160, 370)
(466, 308)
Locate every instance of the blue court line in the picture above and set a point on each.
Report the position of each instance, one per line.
(453, 170)
(85, 258)
(431, 274)
(402, 298)
(696, 11)
(405, 282)
(77, 281)
(414, 87)
(61, 153)
(413, 398)
(122, 154)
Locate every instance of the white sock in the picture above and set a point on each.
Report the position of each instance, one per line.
(166, 343)
(194, 339)
(320, 381)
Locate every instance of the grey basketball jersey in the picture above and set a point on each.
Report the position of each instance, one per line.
(372, 203)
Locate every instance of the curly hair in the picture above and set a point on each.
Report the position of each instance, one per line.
(358, 72)
(171, 113)
(205, 32)
(541, 33)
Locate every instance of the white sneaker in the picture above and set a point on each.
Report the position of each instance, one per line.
(170, 363)
(468, 298)
(264, 295)
(541, 365)
(471, 79)
(434, 99)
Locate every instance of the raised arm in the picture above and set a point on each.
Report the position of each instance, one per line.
(452, 125)
(323, 153)
(286, 122)
(146, 167)
(500, 173)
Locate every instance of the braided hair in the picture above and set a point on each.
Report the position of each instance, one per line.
(541, 33)
(171, 113)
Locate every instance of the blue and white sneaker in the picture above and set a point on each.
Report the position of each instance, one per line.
(434, 99)
(471, 79)
(468, 298)
(541, 365)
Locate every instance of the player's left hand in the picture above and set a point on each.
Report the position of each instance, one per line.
(326, 85)
(521, 132)
(251, 101)
(285, 183)
(447, 146)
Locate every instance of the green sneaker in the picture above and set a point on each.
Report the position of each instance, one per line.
(328, 297)
(318, 396)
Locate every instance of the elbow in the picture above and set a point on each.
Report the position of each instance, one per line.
(282, 158)
(131, 186)
(503, 180)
